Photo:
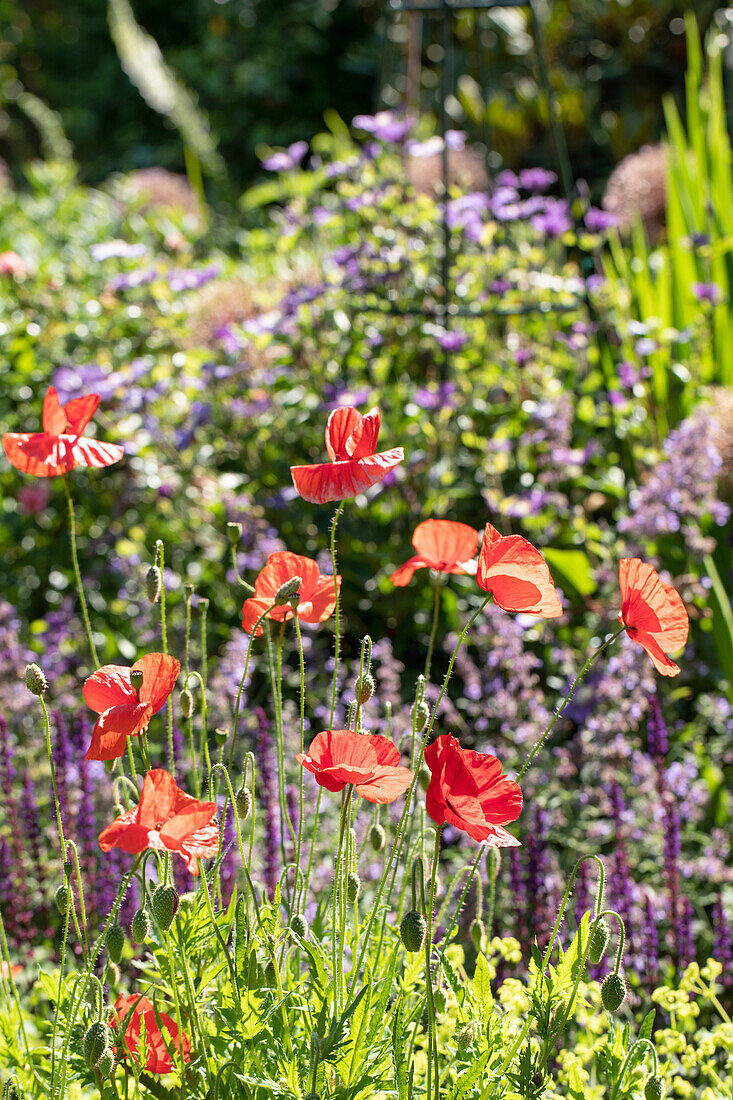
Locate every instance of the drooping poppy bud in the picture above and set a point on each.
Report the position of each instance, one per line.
(613, 992)
(377, 837)
(153, 583)
(270, 975)
(468, 1034)
(114, 941)
(420, 714)
(164, 905)
(243, 802)
(599, 942)
(413, 929)
(62, 898)
(96, 1041)
(105, 1064)
(655, 1088)
(140, 926)
(478, 934)
(364, 688)
(353, 886)
(35, 681)
(299, 925)
(186, 701)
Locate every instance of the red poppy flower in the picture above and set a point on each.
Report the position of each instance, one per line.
(351, 440)
(653, 613)
(516, 575)
(122, 711)
(60, 446)
(167, 820)
(316, 597)
(370, 762)
(468, 790)
(135, 1012)
(442, 545)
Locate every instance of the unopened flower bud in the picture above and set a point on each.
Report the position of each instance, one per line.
(364, 688)
(655, 1088)
(287, 591)
(299, 925)
(599, 942)
(164, 905)
(377, 837)
(423, 777)
(136, 679)
(353, 886)
(439, 1000)
(96, 1041)
(62, 898)
(187, 900)
(35, 681)
(153, 583)
(140, 926)
(186, 701)
(105, 1064)
(221, 735)
(478, 934)
(468, 1034)
(234, 533)
(613, 992)
(114, 941)
(420, 714)
(270, 975)
(413, 929)
(243, 802)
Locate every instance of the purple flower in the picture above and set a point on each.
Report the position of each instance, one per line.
(287, 159)
(707, 292)
(454, 139)
(452, 341)
(180, 279)
(431, 400)
(554, 221)
(130, 280)
(500, 286)
(385, 125)
(597, 221)
(536, 179)
(108, 250)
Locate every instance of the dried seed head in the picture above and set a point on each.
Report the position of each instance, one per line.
(136, 679)
(153, 583)
(413, 929)
(35, 681)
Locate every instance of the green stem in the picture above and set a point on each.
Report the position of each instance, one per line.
(337, 614)
(434, 631)
(433, 1061)
(240, 691)
(301, 664)
(339, 887)
(77, 573)
(568, 697)
(160, 555)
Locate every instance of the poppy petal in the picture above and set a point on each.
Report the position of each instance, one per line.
(385, 785)
(363, 439)
(160, 672)
(108, 687)
(114, 726)
(660, 660)
(253, 609)
(651, 605)
(516, 575)
(124, 833)
(204, 844)
(157, 798)
(186, 822)
(341, 423)
(281, 567)
(93, 452)
(322, 601)
(53, 418)
(38, 454)
(343, 480)
(444, 542)
(79, 411)
(404, 574)
(500, 838)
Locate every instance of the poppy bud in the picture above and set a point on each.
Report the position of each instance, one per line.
(136, 679)
(140, 926)
(221, 735)
(114, 941)
(96, 1041)
(655, 1088)
(423, 777)
(234, 533)
(243, 802)
(186, 701)
(353, 886)
(613, 992)
(188, 590)
(105, 1064)
(413, 929)
(299, 925)
(164, 905)
(62, 898)
(270, 975)
(287, 591)
(364, 688)
(420, 714)
(377, 837)
(187, 900)
(599, 942)
(439, 1000)
(35, 681)
(478, 934)
(468, 1034)
(153, 583)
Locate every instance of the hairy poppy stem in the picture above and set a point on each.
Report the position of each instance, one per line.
(301, 740)
(432, 1023)
(339, 887)
(434, 630)
(566, 700)
(77, 573)
(160, 561)
(337, 613)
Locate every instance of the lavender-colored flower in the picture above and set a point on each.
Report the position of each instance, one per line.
(554, 221)
(193, 278)
(722, 946)
(385, 125)
(649, 942)
(130, 280)
(538, 879)
(707, 292)
(597, 221)
(536, 179)
(434, 399)
(454, 139)
(657, 742)
(287, 159)
(117, 250)
(453, 340)
(31, 827)
(684, 934)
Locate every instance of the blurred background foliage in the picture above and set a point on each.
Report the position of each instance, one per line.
(268, 72)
